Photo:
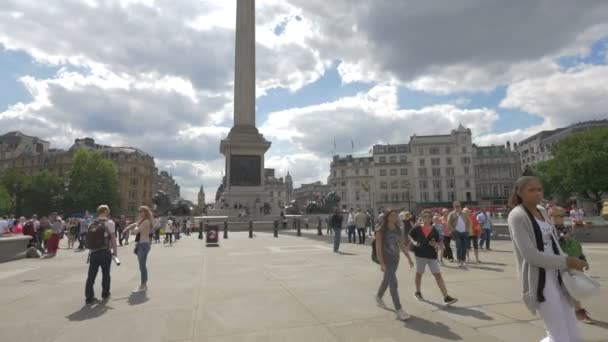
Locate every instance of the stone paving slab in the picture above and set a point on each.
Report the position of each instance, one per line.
(271, 289)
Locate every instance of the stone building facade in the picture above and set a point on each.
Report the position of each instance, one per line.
(428, 171)
(496, 170)
(201, 198)
(135, 168)
(310, 192)
(164, 181)
(15, 144)
(537, 148)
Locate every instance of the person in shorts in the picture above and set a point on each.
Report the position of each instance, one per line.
(424, 238)
(438, 225)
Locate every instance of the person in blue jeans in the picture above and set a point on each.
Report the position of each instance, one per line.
(101, 242)
(143, 228)
(461, 225)
(486, 224)
(335, 222)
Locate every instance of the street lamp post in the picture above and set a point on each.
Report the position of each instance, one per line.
(14, 209)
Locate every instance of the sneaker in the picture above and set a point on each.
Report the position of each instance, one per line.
(418, 296)
(105, 297)
(92, 301)
(583, 316)
(140, 289)
(449, 300)
(380, 302)
(402, 315)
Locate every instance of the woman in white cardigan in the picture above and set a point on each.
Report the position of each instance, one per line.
(540, 261)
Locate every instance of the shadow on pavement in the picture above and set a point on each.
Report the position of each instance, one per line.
(603, 325)
(457, 310)
(485, 268)
(431, 328)
(89, 312)
(138, 298)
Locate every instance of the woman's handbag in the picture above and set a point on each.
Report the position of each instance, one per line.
(579, 284)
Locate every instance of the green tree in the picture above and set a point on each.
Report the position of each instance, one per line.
(579, 165)
(5, 200)
(16, 184)
(93, 181)
(44, 194)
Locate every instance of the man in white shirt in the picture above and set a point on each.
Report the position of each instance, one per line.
(460, 224)
(350, 224)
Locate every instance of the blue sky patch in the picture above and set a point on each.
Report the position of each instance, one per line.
(597, 56)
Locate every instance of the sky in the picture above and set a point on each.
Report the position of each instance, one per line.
(158, 75)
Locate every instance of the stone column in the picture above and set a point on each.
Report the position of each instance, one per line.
(244, 64)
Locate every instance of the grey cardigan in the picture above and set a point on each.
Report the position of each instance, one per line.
(529, 259)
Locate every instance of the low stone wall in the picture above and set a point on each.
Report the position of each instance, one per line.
(594, 233)
(12, 247)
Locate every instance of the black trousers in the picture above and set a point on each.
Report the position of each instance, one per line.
(103, 260)
(361, 233)
(447, 251)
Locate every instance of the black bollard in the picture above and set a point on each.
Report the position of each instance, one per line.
(319, 231)
(306, 224)
(276, 228)
(200, 230)
(299, 231)
(225, 229)
(285, 223)
(250, 229)
(294, 223)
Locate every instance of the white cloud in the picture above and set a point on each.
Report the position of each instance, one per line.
(564, 97)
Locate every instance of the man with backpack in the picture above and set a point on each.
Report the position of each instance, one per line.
(101, 243)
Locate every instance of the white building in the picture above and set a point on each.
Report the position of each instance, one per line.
(428, 171)
(14, 144)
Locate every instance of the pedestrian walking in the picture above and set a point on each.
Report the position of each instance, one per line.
(540, 260)
(335, 221)
(360, 222)
(486, 224)
(460, 224)
(425, 239)
(73, 231)
(143, 227)
(390, 242)
(169, 233)
(57, 232)
(474, 234)
(101, 243)
(438, 225)
(447, 235)
(350, 224)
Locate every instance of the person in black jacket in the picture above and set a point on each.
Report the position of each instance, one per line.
(335, 222)
(425, 238)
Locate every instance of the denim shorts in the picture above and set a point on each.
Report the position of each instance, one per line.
(433, 264)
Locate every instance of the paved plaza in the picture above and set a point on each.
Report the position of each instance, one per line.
(271, 289)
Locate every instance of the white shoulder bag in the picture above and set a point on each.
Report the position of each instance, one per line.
(580, 285)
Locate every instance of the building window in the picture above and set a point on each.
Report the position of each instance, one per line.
(392, 159)
(343, 184)
(451, 196)
(382, 160)
(421, 151)
(384, 197)
(424, 197)
(404, 172)
(422, 162)
(395, 197)
(448, 161)
(466, 160)
(405, 196)
(272, 193)
(383, 172)
(367, 172)
(403, 159)
(436, 172)
(395, 184)
(402, 149)
(451, 183)
(469, 198)
(436, 184)
(438, 196)
(421, 172)
(133, 194)
(404, 184)
(467, 183)
(357, 195)
(393, 172)
(506, 189)
(435, 161)
(133, 181)
(391, 149)
(383, 185)
(381, 149)
(449, 171)
(448, 150)
(342, 173)
(466, 170)
(434, 150)
(495, 191)
(357, 183)
(464, 149)
(357, 172)
(423, 184)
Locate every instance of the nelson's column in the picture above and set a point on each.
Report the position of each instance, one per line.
(244, 147)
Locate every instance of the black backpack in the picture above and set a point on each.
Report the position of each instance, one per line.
(28, 228)
(97, 235)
